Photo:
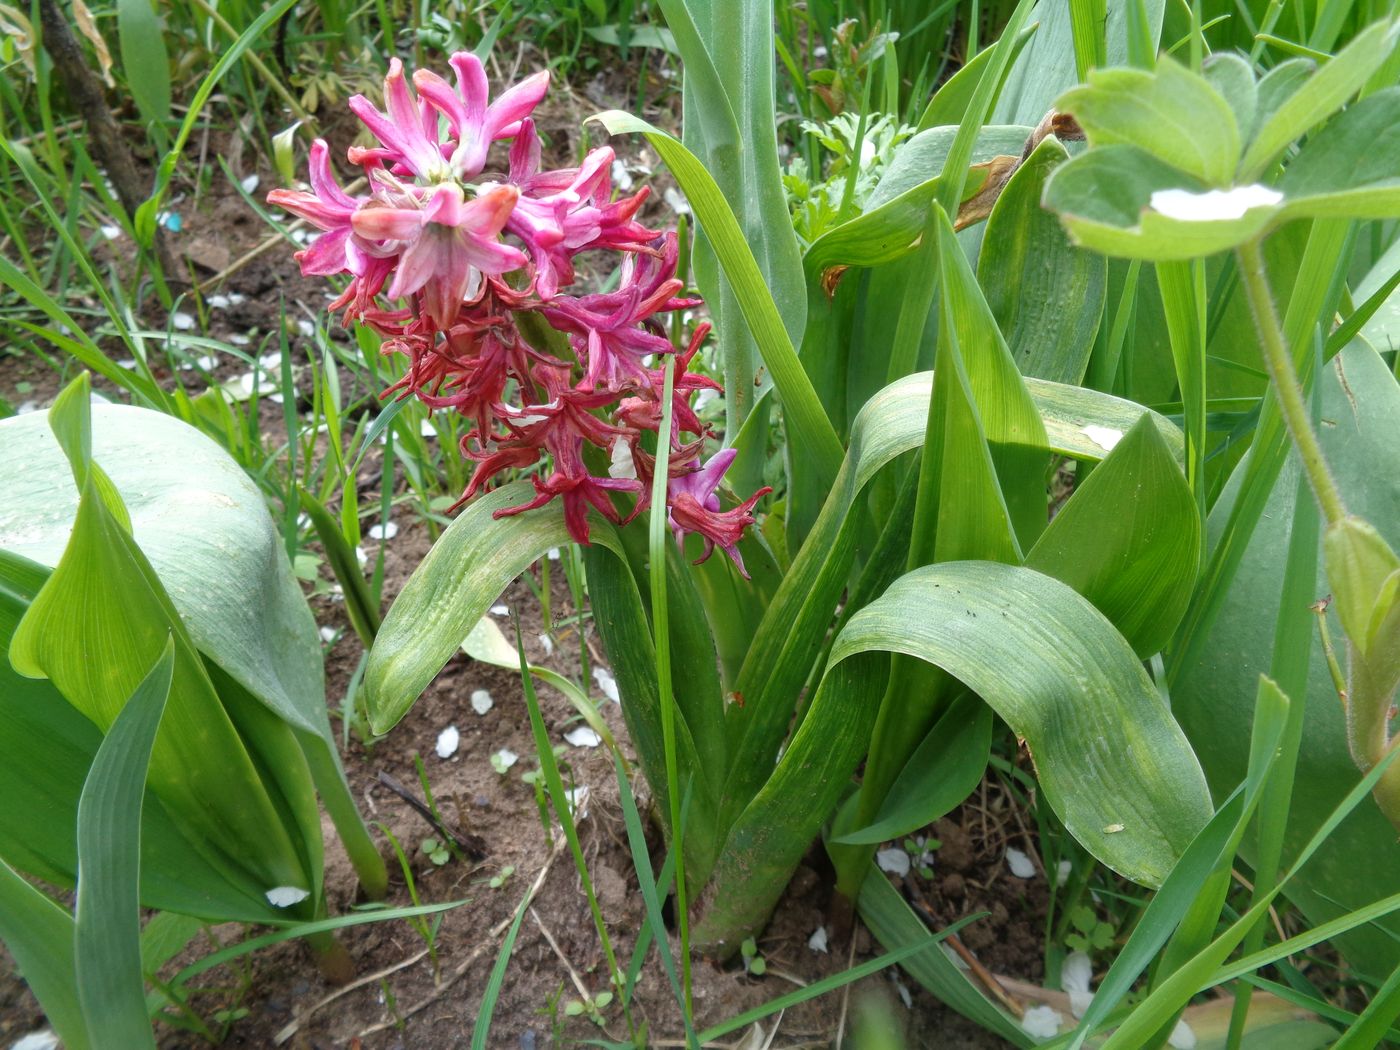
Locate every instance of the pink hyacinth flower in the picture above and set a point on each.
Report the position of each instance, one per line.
(473, 124)
(695, 507)
(328, 208)
(408, 130)
(448, 243)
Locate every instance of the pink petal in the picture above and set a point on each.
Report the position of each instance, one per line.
(505, 114)
(379, 222)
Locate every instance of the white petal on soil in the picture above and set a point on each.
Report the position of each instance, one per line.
(1019, 863)
(111, 232)
(427, 429)
(894, 860)
(553, 554)
(447, 742)
(1042, 1022)
(577, 798)
(327, 634)
(505, 758)
(607, 684)
(249, 183)
(236, 297)
(305, 327)
(127, 362)
(182, 321)
(1213, 205)
(1076, 975)
(361, 557)
(583, 736)
(286, 896)
(817, 942)
(386, 531)
(547, 644)
(500, 610)
(481, 701)
(44, 1039)
(905, 997)
(1063, 872)
(1105, 437)
(676, 202)
(217, 302)
(1182, 1038)
(239, 339)
(621, 177)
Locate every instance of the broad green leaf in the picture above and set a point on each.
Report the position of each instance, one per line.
(1318, 97)
(39, 935)
(1347, 169)
(1172, 114)
(1046, 295)
(1104, 199)
(942, 771)
(1111, 761)
(94, 629)
(42, 787)
(922, 158)
(1129, 540)
(145, 62)
(1360, 862)
(950, 101)
(107, 935)
(473, 561)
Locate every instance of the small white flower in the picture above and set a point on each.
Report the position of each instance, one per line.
(447, 742)
(286, 896)
(1041, 1022)
(1105, 437)
(182, 321)
(1213, 205)
(817, 942)
(583, 736)
(1075, 977)
(607, 684)
(1182, 1038)
(622, 465)
(894, 860)
(1019, 863)
(481, 701)
(249, 183)
(386, 531)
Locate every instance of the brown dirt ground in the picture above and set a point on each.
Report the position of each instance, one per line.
(280, 985)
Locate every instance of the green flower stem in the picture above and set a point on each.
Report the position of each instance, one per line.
(1284, 381)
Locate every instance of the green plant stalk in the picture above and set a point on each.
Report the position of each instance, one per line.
(662, 633)
(1284, 381)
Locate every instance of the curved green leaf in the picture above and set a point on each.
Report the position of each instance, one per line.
(1046, 295)
(1129, 540)
(107, 934)
(39, 935)
(474, 560)
(1110, 759)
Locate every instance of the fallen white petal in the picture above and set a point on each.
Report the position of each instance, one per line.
(676, 202)
(1063, 872)
(217, 302)
(249, 183)
(236, 298)
(621, 177)
(447, 742)
(327, 634)
(286, 896)
(1076, 976)
(607, 684)
(239, 339)
(817, 942)
(182, 321)
(547, 644)
(583, 736)
(500, 610)
(386, 531)
(26, 407)
(1041, 1022)
(1213, 205)
(622, 466)
(1019, 863)
(305, 327)
(577, 798)
(904, 996)
(44, 1039)
(895, 861)
(427, 430)
(481, 701)
(1182, 1038)
(504, 758)
(1105, 437)
(111, 232)
(553, 554)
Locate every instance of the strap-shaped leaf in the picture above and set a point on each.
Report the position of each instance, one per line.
(1111, 760)
(107, 936)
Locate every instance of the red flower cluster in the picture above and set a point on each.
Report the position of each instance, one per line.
(469, 255)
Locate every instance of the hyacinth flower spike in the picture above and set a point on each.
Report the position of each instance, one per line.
(473, 124)
(695, 507)
(408, 131)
